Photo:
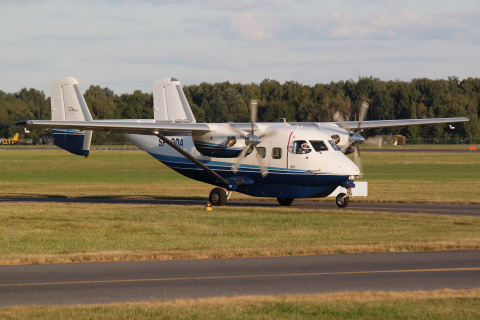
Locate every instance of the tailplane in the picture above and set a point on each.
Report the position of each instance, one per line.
(68, 104)
(170, 103)
(15, 138)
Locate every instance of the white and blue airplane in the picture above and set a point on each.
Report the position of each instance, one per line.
(283, 160)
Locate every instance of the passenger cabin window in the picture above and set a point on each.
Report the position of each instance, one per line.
(276, 153)
(261, 152)
(300, 147)
(319, 145)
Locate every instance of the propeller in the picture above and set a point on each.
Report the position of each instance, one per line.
(251, 140)
(354, 139)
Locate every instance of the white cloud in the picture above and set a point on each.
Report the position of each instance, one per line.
(251, 26)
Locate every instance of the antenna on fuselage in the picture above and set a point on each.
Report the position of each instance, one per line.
(284, 121)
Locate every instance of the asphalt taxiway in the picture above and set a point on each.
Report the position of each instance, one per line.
(84, 283)
(426, 208)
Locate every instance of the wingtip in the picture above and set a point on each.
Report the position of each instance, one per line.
(20, 123)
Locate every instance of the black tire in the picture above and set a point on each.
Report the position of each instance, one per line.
(342, 203)
(218, 197)
(285, 201)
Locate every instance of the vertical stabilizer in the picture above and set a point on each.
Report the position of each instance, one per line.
(170, 103)
(68, 104)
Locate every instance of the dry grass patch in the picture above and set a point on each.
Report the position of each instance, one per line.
(444, 304)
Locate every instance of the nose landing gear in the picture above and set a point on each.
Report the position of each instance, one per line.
(343, 199)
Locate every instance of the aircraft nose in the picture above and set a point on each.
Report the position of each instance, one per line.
(348, 167)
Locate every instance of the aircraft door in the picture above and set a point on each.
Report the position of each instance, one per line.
(298, 153)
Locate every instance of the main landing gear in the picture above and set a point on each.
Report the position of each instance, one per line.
(285, 201)
(218, 197)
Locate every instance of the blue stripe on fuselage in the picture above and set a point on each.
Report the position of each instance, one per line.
(280, 182)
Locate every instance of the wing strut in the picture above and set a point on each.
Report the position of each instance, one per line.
(192, 158)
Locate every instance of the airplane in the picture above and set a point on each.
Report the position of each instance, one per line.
(14, 140)
(283, 160)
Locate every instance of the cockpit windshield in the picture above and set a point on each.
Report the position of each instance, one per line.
(319, 145)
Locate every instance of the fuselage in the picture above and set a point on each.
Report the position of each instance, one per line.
(299, 162)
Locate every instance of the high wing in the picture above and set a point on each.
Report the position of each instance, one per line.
(402, 122)
(354, 125)
(142, 126)
(128, 126)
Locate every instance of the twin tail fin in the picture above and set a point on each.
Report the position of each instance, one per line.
(68, 104)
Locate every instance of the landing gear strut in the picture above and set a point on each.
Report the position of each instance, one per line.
(218, 197)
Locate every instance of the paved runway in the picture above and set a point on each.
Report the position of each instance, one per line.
(427, 150)
(140, 281)
(442, 209)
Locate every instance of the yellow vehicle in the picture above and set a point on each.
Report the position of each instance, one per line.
(14, 140)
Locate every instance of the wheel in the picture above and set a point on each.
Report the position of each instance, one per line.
(218, 197)
(342, 200)
(285, 201)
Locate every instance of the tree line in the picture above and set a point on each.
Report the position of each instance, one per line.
(229, 102)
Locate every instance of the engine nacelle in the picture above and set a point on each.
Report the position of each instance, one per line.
(344, 140)
(220, 143)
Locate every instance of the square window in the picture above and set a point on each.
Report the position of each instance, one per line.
(261, 152)
(276, 153)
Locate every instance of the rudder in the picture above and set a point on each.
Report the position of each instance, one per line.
(68, 104)
(170, 103)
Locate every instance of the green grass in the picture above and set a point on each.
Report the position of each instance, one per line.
(46, 233)
(392, 177)
(422, 177)
(445, 304)
(56, 173)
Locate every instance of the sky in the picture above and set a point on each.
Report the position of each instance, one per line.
(126, 45)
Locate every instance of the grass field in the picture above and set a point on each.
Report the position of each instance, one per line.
(46, 233)
(32, 233)
(392, 177)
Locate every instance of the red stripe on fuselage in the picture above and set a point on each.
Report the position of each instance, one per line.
(288, 145)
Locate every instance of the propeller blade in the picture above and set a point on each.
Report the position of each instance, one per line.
(242, 133)
(357, 159)
(362, 114)
(268, 132)
(241, 156)
(376, 141)
(263, 166)
(253, 113)
(339, 118)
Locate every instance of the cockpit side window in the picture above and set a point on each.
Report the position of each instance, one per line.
(300, 147)
(334, 145)
(319, 145)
